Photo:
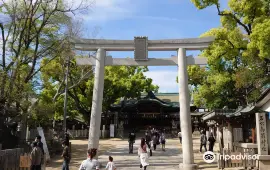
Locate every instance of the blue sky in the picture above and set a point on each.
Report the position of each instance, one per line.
(157, 19)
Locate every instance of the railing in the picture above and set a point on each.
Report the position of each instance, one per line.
(247, 152)
(78, 133)
(15, 159)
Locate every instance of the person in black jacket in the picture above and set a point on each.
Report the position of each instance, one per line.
(67, 138)
(131, 141)
(212, 141)
(39, 143)
(148, 139)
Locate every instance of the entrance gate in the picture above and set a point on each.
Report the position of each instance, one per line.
(141, 46)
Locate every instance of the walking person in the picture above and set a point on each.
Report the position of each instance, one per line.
(158, 137)
(143, 152)
(131, 141)
(35, 157)
(163, 141)
(154, 140)
(148, 139)
(203, 141)
(66, 156)
(90, 163)
(67, 138)
(212, 141)
(40, 145)
(110, 164)
(180, 136)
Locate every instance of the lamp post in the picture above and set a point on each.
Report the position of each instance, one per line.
(67, 62)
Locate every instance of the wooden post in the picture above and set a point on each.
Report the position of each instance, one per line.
(253, 133)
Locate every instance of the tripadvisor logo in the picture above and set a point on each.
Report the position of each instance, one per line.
(209, 157)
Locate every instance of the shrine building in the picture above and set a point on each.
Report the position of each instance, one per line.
(160, 110)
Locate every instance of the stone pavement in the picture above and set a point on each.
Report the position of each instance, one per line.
(118, 149)
(123, 160)
(160, 160)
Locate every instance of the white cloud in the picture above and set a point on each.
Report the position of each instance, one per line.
(104, 10)
(166, 80)
(157, 18)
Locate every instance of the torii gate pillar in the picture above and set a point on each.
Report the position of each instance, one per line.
(185, 118)
(95, 120)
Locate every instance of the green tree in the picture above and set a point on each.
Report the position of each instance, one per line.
(237, 58)
(119, 81)
(29, 32)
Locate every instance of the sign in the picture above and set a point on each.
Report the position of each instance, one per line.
(261, 134)
(141, 48)
(112, 130)
(25, 162)
(45, 147)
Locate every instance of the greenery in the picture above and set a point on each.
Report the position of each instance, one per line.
(35, 47)
(237, 59)
(30, 32)
(120, 81)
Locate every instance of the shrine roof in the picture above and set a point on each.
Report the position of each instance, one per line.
(265, 97)
(148, 101)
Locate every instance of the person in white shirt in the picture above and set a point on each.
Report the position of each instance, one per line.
(90, 163)
(110, 164)
(180, 136)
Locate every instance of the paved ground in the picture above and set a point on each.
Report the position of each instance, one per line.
(118, 149)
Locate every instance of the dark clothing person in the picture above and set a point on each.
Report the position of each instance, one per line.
(148, 140)
(40, 144)
(66, 156)
(67, 138)
(203, 142)
(35, 157)
(212, 141)
(155, 140)
(131, 141)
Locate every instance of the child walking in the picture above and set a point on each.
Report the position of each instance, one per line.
(110, 164)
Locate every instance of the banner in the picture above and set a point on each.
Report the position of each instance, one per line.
(112, 130)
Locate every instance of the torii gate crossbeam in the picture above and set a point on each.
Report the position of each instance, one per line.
(141, 46)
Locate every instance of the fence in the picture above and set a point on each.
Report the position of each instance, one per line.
(15, 159)
(84, 133)
(78, 133)
(243, 163)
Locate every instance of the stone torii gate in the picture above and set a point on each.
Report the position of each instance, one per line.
(141, 46)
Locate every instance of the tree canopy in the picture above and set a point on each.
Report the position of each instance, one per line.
(237, 59)
(30, 31)
(119, 81)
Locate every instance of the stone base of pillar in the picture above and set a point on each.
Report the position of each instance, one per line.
(188, 166)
